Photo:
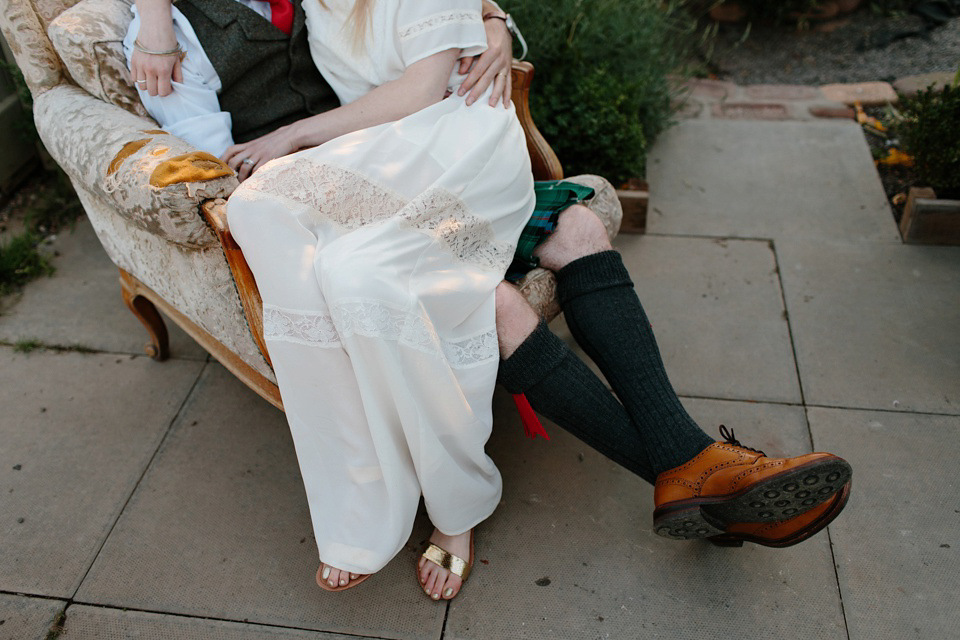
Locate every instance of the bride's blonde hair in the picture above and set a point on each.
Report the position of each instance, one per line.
(359, 17)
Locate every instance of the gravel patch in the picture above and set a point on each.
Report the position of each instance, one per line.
(861, 47)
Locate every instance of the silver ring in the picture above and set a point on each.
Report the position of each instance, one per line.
(140, 82)
(247, 161)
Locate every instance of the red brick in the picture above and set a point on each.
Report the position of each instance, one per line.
(782, 92)
(716, 89)
(910, 85)
(750, 111)
(869, 94)
(833, 112)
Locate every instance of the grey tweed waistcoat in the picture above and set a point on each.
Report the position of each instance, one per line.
(268, 77)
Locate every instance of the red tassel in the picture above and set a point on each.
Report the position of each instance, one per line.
(531, 424)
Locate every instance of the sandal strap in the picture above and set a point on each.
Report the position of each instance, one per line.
(453, 564)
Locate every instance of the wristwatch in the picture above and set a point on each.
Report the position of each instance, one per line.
(512, 28)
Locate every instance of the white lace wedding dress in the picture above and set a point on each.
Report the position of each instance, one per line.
(377, 255)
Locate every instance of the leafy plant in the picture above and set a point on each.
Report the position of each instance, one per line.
(929, 133)
(20, 262)
(601, 88)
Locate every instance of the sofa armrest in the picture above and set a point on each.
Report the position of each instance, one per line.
(539, 286)
(155, 180)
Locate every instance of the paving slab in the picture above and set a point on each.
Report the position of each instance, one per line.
(100, 623)
(81, 304)
(717, 310)
(219, 528)
(813, 180)
(570, 552)
(897, 544)
(23, 618)
(875, 327)
(76, 433)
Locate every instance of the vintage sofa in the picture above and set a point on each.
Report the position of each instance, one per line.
(156, 203)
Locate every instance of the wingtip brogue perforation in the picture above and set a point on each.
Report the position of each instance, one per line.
(728, 483)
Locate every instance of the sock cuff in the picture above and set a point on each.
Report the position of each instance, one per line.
(597, 271)
(534, 359)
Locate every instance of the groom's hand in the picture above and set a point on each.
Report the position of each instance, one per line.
(492, 66)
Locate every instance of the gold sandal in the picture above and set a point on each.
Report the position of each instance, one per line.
(454, 564)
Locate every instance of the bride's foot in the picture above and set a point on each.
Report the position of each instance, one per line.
(329, 577)
(438, 582)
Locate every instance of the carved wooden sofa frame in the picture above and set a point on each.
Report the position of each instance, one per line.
(158, 206)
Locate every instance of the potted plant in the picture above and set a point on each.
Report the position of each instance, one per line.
(930, 134)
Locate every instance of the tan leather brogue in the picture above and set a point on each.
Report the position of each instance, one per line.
(728, 483)
(785, 533)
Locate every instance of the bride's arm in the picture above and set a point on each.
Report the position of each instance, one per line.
(422, 84)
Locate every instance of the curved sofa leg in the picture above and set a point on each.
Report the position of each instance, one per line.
(159, 346)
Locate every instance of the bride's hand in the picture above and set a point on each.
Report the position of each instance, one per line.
(245, 158)
(493, 65)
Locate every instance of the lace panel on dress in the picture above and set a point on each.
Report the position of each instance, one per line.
(374, 319)
(351, 200)
(303, 327)
(438, 20)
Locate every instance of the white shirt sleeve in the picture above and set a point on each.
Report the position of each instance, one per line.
(192, 111)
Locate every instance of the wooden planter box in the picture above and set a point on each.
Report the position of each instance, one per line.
(929, 220)
(634, 205)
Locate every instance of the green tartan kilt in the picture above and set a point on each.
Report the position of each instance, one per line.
(553, 196)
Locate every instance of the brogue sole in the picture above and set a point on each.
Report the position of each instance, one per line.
(828, 516)
(779, 497)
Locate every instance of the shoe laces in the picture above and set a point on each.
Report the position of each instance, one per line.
(729, 438)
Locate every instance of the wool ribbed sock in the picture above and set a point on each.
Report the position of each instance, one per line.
(607, 320)
(562, 388)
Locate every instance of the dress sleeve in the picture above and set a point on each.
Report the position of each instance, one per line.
(426, 27)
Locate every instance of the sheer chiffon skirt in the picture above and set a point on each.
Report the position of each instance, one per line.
(377, 256)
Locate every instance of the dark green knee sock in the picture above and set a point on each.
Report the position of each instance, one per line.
(562, 388)
(607, 320)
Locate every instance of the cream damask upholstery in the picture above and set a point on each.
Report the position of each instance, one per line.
(88, 37)
(143, 189)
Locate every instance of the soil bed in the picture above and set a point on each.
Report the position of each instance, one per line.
(860, 47)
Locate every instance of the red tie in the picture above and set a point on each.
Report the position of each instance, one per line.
(281, 15)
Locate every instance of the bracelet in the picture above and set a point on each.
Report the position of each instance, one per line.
(176, 51)
(490, 16)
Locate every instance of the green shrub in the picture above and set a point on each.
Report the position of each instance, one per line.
(601, 92)
(20, 262)
(930, 133)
